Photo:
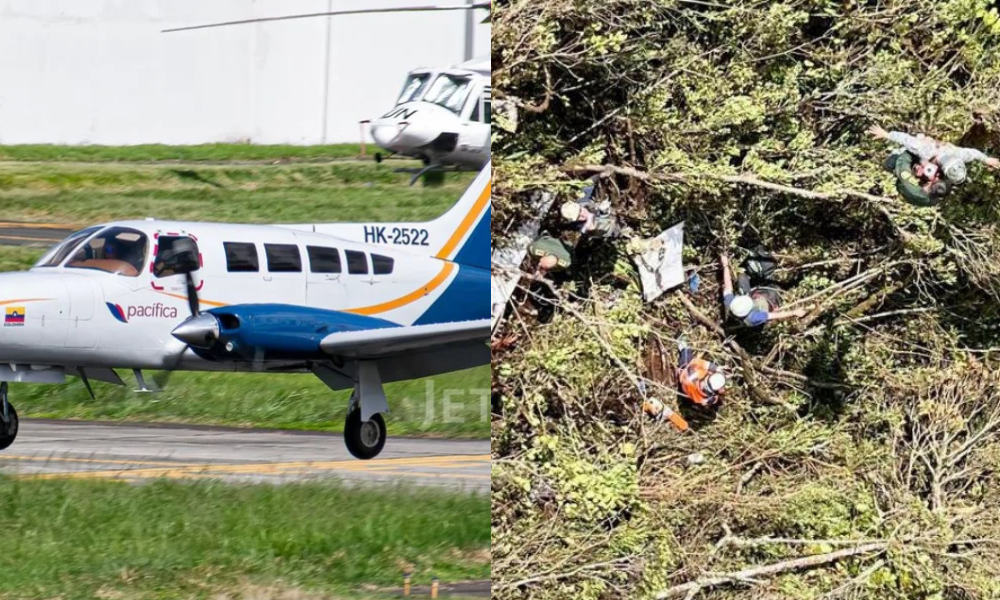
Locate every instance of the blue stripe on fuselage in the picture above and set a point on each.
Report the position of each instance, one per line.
(466, 299)
(476, 250)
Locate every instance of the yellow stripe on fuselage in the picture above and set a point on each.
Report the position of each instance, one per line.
(446, 270)
(467, 223)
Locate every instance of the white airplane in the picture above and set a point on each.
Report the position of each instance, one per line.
(357, 305)
(443, 115)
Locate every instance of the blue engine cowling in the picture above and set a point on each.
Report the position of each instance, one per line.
(279, 332)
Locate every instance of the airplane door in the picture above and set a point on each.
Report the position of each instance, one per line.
(325, 283)
(48, 321)
(284, 279)
(83, 295)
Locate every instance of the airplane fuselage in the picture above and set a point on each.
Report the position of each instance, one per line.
(82, 315)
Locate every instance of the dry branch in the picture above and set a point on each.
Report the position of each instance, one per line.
(751, 575)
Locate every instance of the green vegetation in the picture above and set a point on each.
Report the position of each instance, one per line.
(83, 540)
(857, 452)
(161, 153)
(81, 194)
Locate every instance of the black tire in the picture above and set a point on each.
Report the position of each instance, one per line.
(8, 433)
(364, 441)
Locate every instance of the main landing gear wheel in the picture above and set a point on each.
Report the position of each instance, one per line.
(8, 420)
(365, 440)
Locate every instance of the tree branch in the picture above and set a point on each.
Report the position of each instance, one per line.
(747, 575)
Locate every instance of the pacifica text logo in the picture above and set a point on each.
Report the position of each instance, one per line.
(152, 311)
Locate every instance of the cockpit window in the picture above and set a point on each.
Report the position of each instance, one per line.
(56, 256)
(449, 91)
(414, 87)
(118, 250)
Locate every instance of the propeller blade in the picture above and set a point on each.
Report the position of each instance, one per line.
(192, 294)
(363, 11)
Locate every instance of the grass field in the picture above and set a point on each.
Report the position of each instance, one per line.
(79, 194)
(161, 153)
(83, 540)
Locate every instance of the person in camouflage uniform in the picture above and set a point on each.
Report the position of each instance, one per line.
(551, 253)
(951, 159)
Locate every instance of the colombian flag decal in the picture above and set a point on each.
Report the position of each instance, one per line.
(14, 316)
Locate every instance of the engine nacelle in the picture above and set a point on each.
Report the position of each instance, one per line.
(252, 332)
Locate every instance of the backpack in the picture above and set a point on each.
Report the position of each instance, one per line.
(761, 265)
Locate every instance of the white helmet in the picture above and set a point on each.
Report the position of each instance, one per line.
(716, 381)
(741, 306)
(571, 211)
(954, 170)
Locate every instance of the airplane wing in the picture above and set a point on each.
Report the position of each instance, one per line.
(506, 261)
(391, 341)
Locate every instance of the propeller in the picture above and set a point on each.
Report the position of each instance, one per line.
(364, 11)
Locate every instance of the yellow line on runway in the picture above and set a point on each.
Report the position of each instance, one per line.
(130, 475)
(95, 461)
(21, 238)
(209, 470)
(58, 226)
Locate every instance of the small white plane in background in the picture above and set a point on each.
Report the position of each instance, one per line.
(357, 305)
(443, 116)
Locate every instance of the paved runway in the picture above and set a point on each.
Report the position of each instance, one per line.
(28, 234)
(56, 449)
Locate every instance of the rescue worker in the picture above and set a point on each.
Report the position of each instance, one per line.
(918, 183)
(755, 306)
(701, 381)
(591, 218)
(951, 159)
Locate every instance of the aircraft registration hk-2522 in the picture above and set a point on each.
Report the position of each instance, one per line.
(357, 305)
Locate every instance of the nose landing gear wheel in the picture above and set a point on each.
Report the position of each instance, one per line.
(8, 420)
(365, 440)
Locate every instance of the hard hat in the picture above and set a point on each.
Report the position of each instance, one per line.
(954, 169)
(741, 306)
(716, 381)
(571, 211)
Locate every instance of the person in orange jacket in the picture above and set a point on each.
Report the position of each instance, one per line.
(701, 381)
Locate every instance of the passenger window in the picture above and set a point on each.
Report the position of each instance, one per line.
(383, 265)
(283, 258)
(357, 263)
(118, 250)
(241, 258)
(166, 252)
(324, 260)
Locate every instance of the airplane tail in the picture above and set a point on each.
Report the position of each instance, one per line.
(465, 229)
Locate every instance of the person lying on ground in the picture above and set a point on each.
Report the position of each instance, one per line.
(755, 306)
(918, 183)
(951, 159)
(701, 381)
